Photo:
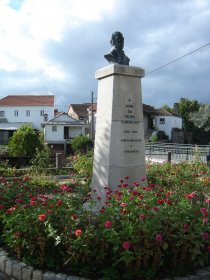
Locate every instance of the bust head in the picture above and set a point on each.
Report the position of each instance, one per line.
(117, 40)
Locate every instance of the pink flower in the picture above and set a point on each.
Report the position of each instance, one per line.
(159, 237)
(186, 227)
(126, 245)
(205, 236)
(123, 204)
(205, 220)
(190, 196)
(108, 224)
(203, 210)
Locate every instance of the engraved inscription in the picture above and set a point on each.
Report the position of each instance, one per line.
(130, 134)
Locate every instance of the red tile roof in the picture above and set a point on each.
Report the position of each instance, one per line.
(27, 100)
(80, 109)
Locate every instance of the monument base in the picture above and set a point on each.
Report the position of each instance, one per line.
(119, 150)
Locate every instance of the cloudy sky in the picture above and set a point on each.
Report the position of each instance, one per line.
(56, 46)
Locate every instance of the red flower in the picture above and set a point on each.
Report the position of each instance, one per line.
(2, 206)
(49, 212)
(127, 177)
(143, 179)
(42, 217)
(208, 248)
(108, 224)
(102, 210)
(142, 216)
(159, 237)
(78, 232)
(59, 202)
(205, 236)
(160, 201)
(126, 245)
(10, 210)
(17, 234)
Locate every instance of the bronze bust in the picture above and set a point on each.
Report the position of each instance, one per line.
(117, 54)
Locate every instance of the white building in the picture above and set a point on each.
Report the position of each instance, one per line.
(59, 130)
(167, 121)
(16, 110)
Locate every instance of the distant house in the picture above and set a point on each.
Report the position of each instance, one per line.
(154, 120)
(16, 110)
(81, 112)
(59, 130)
(92, 114)
(149, 115)
(167, 122)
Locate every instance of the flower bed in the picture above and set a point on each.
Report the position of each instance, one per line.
(140, 233)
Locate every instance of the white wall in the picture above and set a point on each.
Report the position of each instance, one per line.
(59, 134)
(170, 123)
(35, 116)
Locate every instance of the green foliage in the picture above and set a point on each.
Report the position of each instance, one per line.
(24, 142)
(42, 159)
(81, 144)
(201, 118)
(167, 108)
(144, 231)
(83, 164)
(185, 107)
(6, 170)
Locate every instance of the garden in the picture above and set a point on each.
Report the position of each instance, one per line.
(143, 231)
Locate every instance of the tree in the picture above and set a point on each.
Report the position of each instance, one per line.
(167, 108)
(24, 141)
(201, 118)
(184, 108)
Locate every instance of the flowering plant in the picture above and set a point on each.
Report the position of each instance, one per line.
(140, 232)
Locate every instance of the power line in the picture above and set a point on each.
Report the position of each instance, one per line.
(176, 59)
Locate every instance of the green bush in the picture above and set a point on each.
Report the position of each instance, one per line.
(81, 144)
(83, 164)
(143, 231)
(41, 160)
(6, 170)
(24, 142)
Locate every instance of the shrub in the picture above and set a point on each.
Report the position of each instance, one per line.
(83, 164)
(24, 142)
(81, 144)
(141, 232)
(41, 160)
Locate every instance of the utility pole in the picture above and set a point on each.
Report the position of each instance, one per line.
(92, 120)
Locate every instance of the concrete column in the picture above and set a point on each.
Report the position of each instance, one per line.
(119, 141)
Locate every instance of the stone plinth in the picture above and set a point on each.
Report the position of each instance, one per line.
(119, 142)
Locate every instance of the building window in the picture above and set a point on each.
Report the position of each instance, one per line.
(27, 113)
(2, 114)
(162, 120)
(42, 113)
(45, 117)
(16, 113)
(54, 128)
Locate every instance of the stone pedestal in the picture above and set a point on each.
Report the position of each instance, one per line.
(119, 142)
